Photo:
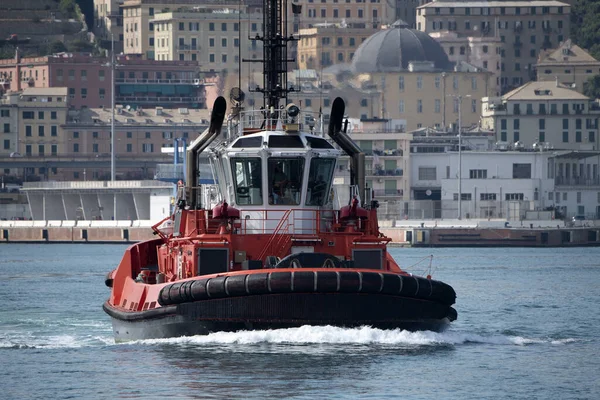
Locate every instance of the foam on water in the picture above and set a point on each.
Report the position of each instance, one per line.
(357, 336)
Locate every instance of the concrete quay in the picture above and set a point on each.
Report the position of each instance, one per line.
(442, 233)
(75, 231)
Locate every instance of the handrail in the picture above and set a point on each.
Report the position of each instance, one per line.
(274, 235)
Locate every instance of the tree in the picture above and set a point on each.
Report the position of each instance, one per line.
(67, 7)
(81, 46)
(56, 47)
(591, 88)
(585, 25)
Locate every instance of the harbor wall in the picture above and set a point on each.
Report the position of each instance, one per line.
(403, 233)
(75, 231)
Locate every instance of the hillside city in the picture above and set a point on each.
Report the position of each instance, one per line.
(464, 109)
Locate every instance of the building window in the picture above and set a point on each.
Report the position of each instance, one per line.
(401, 106)
(521, 171)
(6, 128)
(473, 105)
(419, 82)
(419, 106)
(478, 174)
(437, 106)
(147, 147)
(129, 147)
(565, 137)
(578, 136)
(224, 26)
(455, 82)
(487, 196)
(75, 147)
(224, 42)
(427, 173)
(41, 131)
(514, 196)
(83, 93)
(401, 83)
(211, 58)
(53, 130)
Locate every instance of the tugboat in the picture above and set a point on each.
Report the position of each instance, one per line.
(267, 249)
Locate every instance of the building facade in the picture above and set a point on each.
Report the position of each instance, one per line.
(214, 38)
(88, 80)
(9, 125)
(545, 114)
(568, 63)
(524, 29)
(482, 52)
(108, 23)
(327, 44)
(138, 30)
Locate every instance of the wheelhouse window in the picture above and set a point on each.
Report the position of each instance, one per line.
(319, 181)
(247, 178)
(285, 180)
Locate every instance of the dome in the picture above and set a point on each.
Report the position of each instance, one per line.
(390, 50)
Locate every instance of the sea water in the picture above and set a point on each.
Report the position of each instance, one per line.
(527, 328)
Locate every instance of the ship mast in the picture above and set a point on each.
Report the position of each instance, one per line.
(275, 40)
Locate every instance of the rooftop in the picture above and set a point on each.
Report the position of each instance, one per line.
(145, 117)
(51, 91)
(491, 4)
(546, 90)
(569, 53)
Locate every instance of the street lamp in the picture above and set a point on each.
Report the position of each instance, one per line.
(112, 106)
(459, 97)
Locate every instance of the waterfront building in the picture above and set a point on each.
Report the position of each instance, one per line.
(568, 63)
(524, 29)
(88, 79)
(9, 125)
(415, 81)
(139, 136)
(139, 30)
(545, 114)
(327, 44)
(482, 52)
(108, 23)
(41, 113)
(209, 36)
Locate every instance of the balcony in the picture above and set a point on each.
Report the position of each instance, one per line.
(384, 153)
(385, 172)
(388, 193)
(162, 99)
(143, 81)
(188, 47)
(577, 181)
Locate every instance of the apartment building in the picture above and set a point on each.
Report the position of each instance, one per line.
(41, 113)
(524, 29)
(482, 52)
(108, 23)
(9, 125)
(217, 39)
(88, 79)
(357, 14)
(138, 30)
(543, 114)
(416, 82)
(139, 136)
(568, 63)
(327, 44)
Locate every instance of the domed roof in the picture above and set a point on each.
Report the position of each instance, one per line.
(390, 50)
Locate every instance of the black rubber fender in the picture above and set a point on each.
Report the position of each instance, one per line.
(409, 286)
(236, 285)
(198, 290)
(257, 284)
(392, 284)
(327, 281)
(371, 282)
(280, 282)
(303, 281)
(349, 281)
(215, 287)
